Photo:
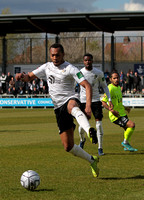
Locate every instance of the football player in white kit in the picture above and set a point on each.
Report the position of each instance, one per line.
(95, 77)
(61, 77)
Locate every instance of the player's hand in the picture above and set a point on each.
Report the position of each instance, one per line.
(88, 112)
(128, 109)
(110, 105)
(116, 113)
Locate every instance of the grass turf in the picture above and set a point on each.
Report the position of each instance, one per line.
(29, 139)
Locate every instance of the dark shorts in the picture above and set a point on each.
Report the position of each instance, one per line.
(96, 109)
(65, 120)
(122, 121)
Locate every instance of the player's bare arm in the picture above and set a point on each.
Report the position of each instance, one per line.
(88, 88)
(116, 113)
(110, 105)
(25, 77)
(128, 109)
(105, 105)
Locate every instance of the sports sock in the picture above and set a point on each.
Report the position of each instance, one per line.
(78, 151)
(81, 118)
(99, 133)
(81, 133)
(128, 133)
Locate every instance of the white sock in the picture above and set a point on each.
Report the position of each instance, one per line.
(125, 141)
(99, 133)
(81, 118)
(78, 151)
(81, 133)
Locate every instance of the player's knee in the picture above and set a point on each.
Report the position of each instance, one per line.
(67, 147)
(132, 125)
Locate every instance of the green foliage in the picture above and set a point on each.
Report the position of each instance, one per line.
(29, 139)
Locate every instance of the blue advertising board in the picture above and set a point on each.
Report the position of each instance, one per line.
(26, 102)
(139, 68)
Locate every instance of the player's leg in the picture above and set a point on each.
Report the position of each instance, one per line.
(81, 130)
(67, 138)
(99, 129)
(66, 131)
(98, 114)
(82, 136)
(128, 127)
(75, 111)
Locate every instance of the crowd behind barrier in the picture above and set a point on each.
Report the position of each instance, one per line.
(131, 85)
(10, 86)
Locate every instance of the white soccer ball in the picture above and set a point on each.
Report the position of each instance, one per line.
(30, 180)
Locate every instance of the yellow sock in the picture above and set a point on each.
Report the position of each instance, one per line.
(128, 133)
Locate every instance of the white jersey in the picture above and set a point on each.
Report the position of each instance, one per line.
(61, 81)
(95, 77)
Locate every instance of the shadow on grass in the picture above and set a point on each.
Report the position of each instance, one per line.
(43, 190)
(120, 178)
(15, 131)
(126, 153)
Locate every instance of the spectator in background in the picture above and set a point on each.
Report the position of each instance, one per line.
(106, 75)
(8, 78)
(35, 92)
(3, 81)
(21, 85)
(9, 91)
(122, 79)
(44, 91)
(127, 83)
(142, 82)
(41, 84)
(131, 80)
(12, 82)
(21, 91)
(27, 88)
(34, 84)
(13, 91)
(137, 81)
(0, 87)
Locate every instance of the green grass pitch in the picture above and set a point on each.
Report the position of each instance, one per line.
(29, 139)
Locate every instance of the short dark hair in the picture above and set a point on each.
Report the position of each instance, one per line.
(57, 45)
(114, 72)
(88, 54)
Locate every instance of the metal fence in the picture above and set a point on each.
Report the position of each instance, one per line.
(36, 50)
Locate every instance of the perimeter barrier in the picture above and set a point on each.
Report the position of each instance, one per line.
(44, 101)
(25, 101)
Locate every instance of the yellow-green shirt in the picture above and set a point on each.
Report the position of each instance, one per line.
(116, 97)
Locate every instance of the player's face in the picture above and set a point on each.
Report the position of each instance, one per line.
(115, 79)
(88, 62)
(56, 56)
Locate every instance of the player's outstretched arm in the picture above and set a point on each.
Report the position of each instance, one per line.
(110, 105)
(25, 77)
(128, 109)
(114, 112)
(105, 105)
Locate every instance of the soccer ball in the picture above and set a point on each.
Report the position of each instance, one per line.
(30, 180)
